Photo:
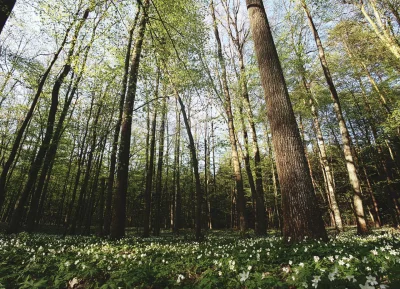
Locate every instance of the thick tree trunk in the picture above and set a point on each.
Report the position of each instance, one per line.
(299, 204)
(241, 200)
(119, 200)
(6, 7)
(349, 157)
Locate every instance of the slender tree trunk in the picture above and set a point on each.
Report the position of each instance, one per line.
(119, 200)
(113, 157)
(96, 194)
(351, 168)
(158, 190)
(299, 204)
(302, 134)
(64, 190)
(80, 212)
(239, 39)
(241, 201)
(47, 167)
(100, 219)
(207, 160)
(81, 160)
(177, 185)
(324, 159)
(381, 30)
(195, 164)
(21, 130)
(35, 166)
(246, 158)
(150, 169)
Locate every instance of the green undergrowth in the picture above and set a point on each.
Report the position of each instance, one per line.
(220, 261)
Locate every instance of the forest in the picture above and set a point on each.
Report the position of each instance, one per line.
(199, 144)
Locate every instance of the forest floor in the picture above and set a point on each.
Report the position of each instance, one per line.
(222, 260)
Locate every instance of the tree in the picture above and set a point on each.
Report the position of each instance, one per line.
(113, 157)
(382, 27)
(119, 200)
(232, 133)
(300, 218)
(347, 149)
(239, 37)
(29, 114)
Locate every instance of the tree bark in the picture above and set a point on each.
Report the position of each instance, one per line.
(28, 117)
(177, 186)
(119, 200)
(150, 169)
(195, 164)
(324, 160)
(158, 190)
(113, 157)
(241, 200)
(347, 146)
(299, 204)
(15, 222)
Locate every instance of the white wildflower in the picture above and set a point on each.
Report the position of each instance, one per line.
(243, 276)
(315, 281)
(371, 280)
(180, 278)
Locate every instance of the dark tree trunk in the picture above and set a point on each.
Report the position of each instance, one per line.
(64, 190)
(36, 165)
(100, 229)
(119, 200)
(28, 116)
(6, 7)
(158, 190)
(194, 162)
(81, 160)
(48, 162)
(113, 157)
(80, 212)
(299, 204)
(247, 165)
(149, 174)
(177, 185)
